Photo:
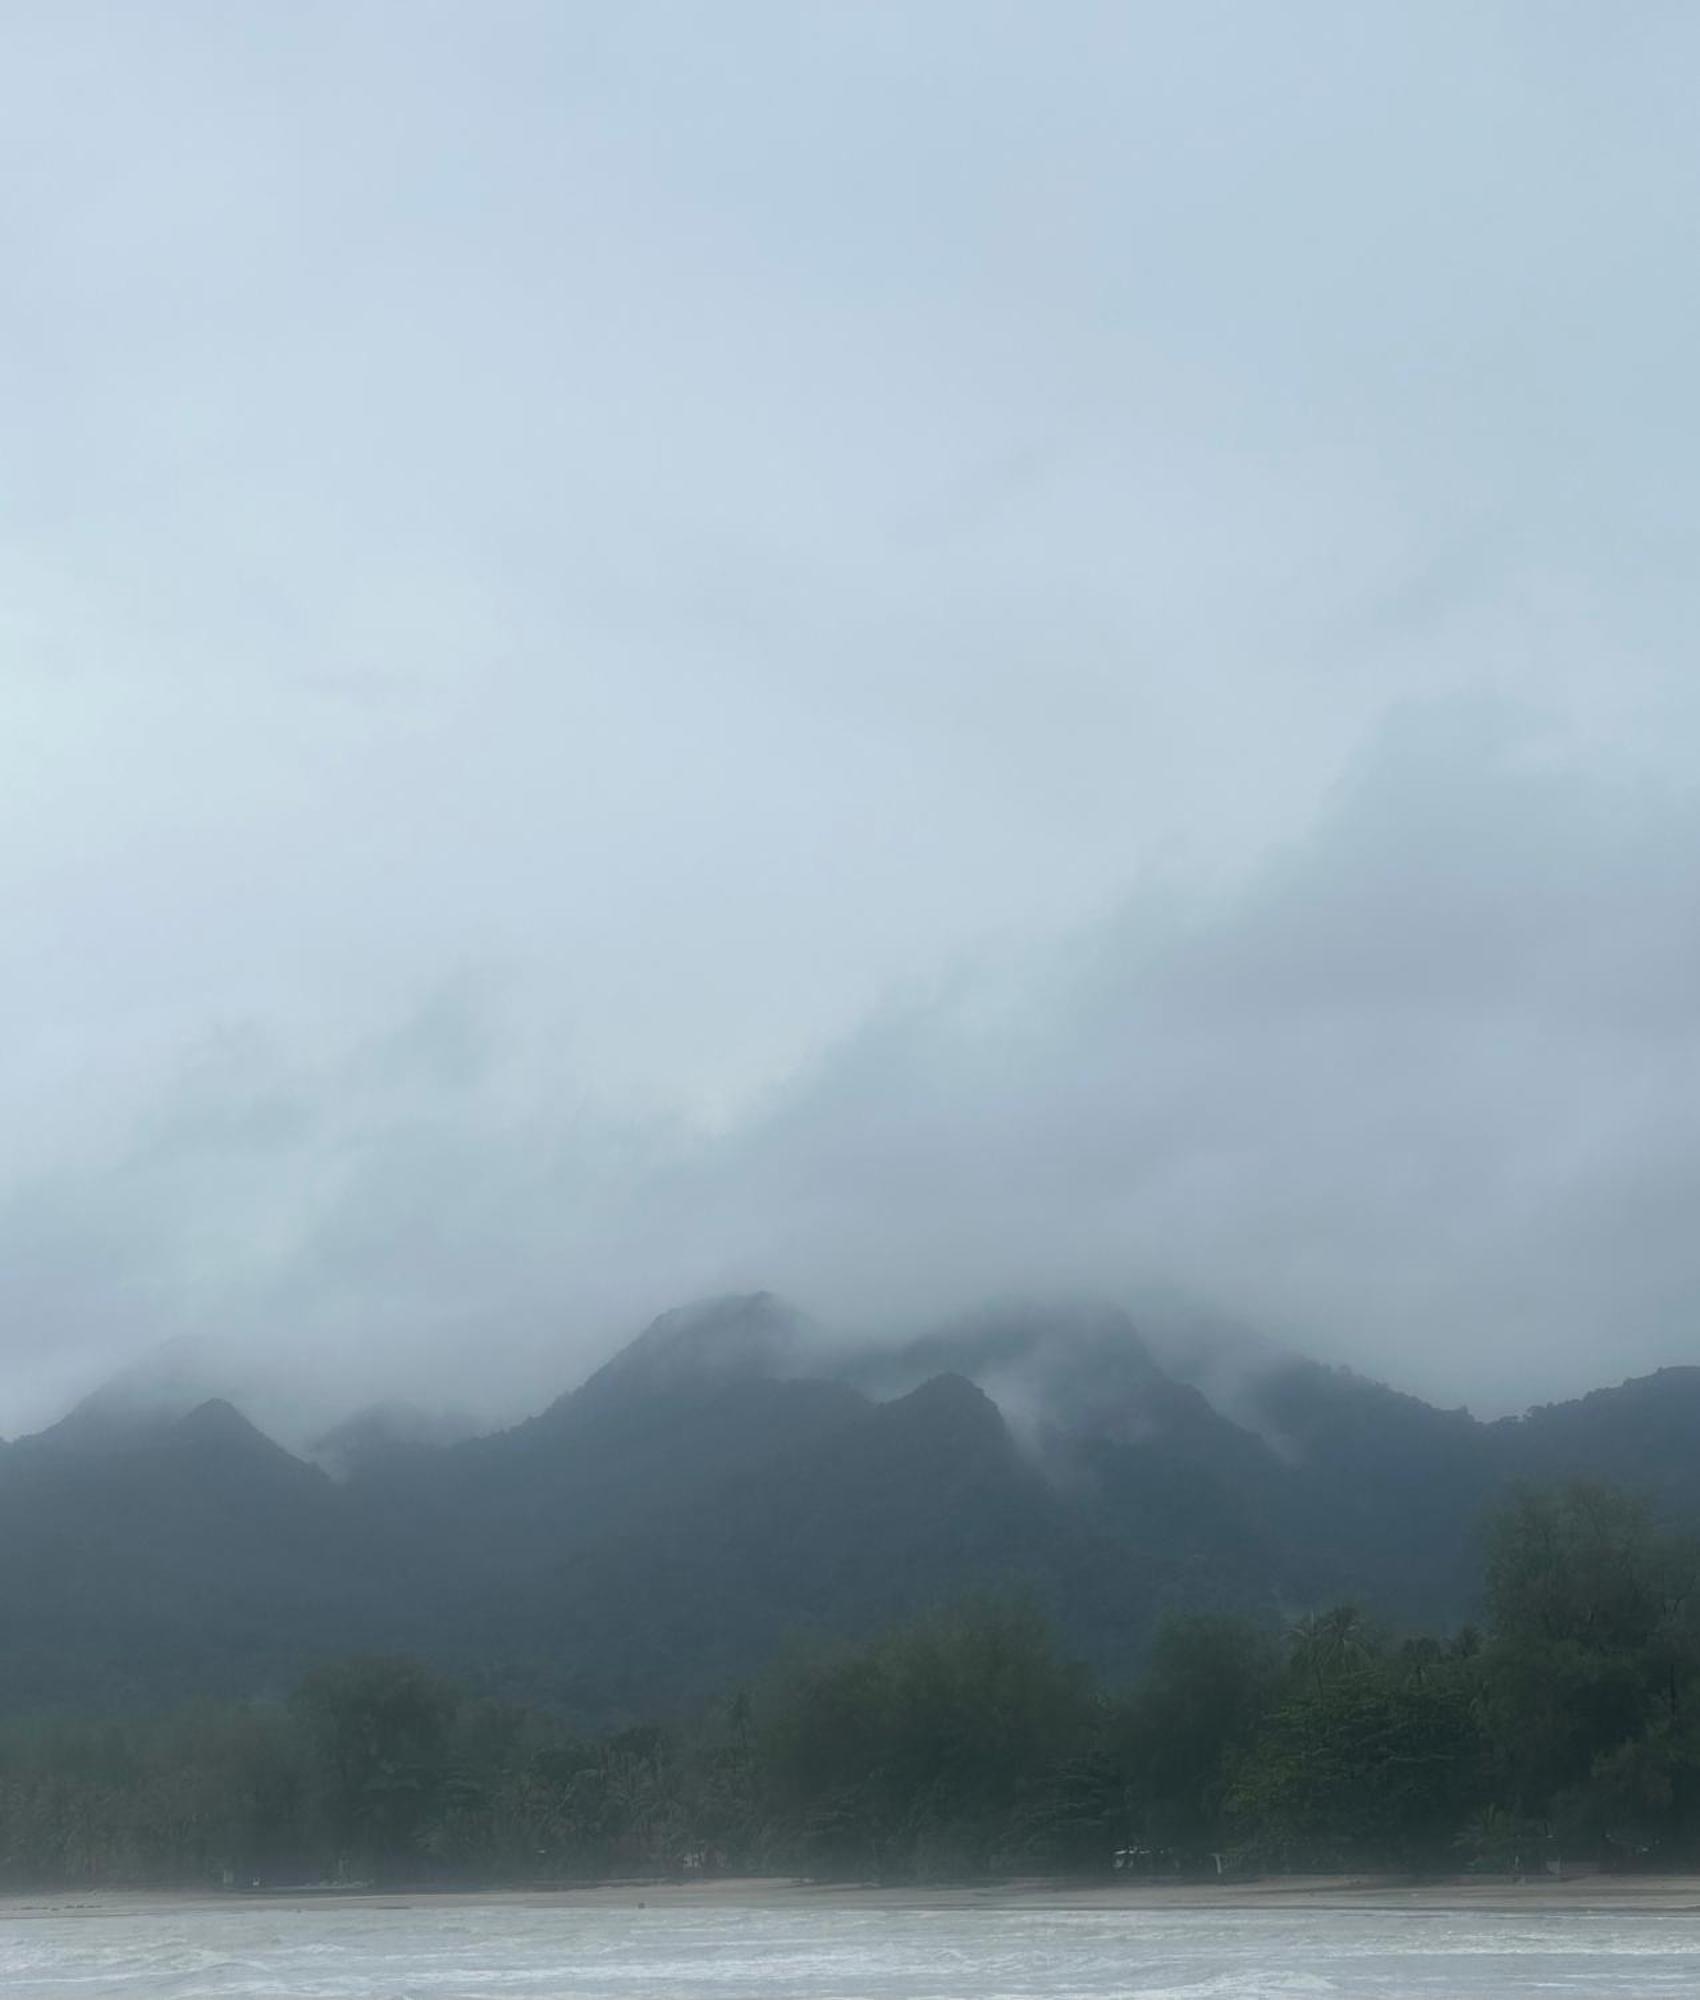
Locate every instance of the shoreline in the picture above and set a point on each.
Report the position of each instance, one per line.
(1673, 1894)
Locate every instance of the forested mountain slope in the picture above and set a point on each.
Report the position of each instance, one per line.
(727, 1483)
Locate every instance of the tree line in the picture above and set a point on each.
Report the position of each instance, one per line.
(1566, 1726)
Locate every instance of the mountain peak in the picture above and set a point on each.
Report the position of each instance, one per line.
(219, 1419)
(947, 1399)
(738, 1337)
(157, 1390)
(1039, 1360)
(216, 1441)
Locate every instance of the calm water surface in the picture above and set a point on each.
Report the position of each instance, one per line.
(466, 1952)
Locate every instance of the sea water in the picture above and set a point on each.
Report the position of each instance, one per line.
(467, 1951)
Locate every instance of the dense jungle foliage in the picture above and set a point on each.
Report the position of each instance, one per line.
(1567, 1726)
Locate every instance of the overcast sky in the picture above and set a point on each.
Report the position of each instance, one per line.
(887, 650)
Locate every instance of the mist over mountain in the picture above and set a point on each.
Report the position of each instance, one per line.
(730, 1482)
(906, 660)
(1023, 674)
(1392, 1102)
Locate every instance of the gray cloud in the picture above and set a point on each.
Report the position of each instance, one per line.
(861, 649)
(1420, 1095)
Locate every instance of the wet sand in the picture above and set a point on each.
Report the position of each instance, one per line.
(1674, 1893)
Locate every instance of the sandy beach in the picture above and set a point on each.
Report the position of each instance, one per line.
(1671, 1893)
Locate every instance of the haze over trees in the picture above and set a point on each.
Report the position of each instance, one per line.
(962, 1745)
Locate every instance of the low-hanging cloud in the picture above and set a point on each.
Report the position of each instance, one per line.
(1421, 1095)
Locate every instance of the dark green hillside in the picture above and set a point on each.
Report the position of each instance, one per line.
(725, 1483)
(186, 1555)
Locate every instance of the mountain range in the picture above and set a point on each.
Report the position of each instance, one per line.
(730, 1483)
